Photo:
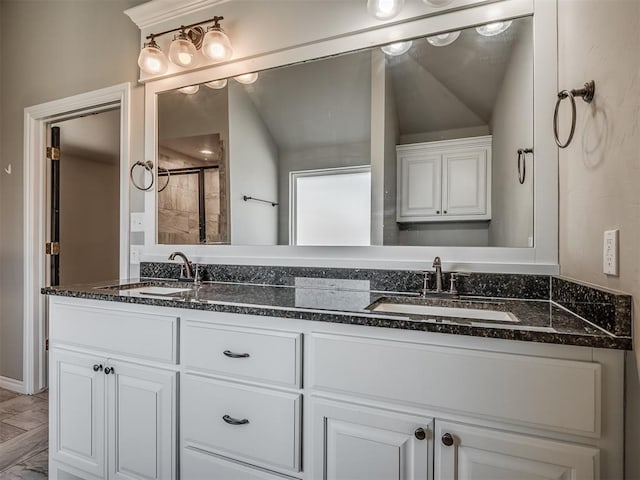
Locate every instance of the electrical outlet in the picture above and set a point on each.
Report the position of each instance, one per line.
(137, 222)
(610, 253)
(135, 255)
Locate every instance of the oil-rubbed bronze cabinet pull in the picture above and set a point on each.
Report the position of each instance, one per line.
(447, 439)
(420, 434)
(230, 354)
(109, 370)
(97, 368)
(234, 421)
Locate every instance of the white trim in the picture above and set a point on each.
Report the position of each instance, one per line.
(158, 11)
(35, 120)
(13, 385)
(541, 259)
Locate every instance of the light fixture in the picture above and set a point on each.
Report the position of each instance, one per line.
(190, 90)
(443, 39)
(384, 9)
(206, 152)
(152, 60)
(216, 44)
(437, 3)
(217, 84)
(183, 51)
(247, 78)
(398, 48)
(495, 28)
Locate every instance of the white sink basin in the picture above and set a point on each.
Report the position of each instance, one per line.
(162, 291)
(472, 313)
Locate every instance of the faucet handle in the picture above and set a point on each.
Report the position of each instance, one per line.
(197, 275)
(453, 278)
(425, 281)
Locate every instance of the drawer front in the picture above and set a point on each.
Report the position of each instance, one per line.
(267, 429)
(198, 465)
(261, 355)
(553, 394)
(116, 332)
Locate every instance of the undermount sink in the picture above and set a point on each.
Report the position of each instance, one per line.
(161, 291)
(455, 312)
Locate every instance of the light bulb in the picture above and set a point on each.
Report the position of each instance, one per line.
(247, 78)
(495, 28)
(217, 84)
(182, 51)
(437, 3)
(216, 44)
(398, 48)
(443, 39)
(152, 60)
(384, 9)
(190, 90)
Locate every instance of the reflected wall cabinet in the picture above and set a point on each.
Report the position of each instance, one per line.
(442, 181)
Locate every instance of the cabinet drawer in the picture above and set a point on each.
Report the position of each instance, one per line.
(115, 331)
(270, 429)
(261, 355)
(198, 465)
(553, 394)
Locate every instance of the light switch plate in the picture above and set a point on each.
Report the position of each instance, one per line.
(137, 222)
(610, 253)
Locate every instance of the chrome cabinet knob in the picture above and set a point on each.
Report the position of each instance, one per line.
(447, 439)
(420, 434)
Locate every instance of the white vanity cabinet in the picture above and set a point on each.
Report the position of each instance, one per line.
(112, 415)
(442, 181)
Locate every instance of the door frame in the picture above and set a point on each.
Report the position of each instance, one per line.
(36, 119)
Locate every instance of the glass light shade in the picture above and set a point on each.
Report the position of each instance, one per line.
(247, 78)
(216, 45)
(443, 39)
(183, 52)
(152, 60)
(190, 90)
(437, 3)
(398, 48)
(495, 28)
(217, 84)
(384, 9)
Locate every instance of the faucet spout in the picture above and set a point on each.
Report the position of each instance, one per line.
(187, 267)
(437, 265)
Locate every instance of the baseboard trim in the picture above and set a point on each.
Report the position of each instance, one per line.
(12, 384)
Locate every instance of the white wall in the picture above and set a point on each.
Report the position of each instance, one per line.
(512, 128)
(253, 172)
(101, 46)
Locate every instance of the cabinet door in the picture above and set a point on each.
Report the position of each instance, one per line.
(465, 180)
(142, 413)
(358, 443)
(77, 414)
(419, 186)
(476, 453)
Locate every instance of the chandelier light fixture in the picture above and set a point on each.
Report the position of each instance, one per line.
(183, 51)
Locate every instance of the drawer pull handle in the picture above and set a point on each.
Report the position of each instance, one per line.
(230, 354)
(235, 421)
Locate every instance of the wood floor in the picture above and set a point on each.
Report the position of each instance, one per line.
(23, 436)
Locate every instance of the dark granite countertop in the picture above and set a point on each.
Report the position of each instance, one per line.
(351, 302)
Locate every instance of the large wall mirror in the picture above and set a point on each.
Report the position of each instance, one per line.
(409, 144)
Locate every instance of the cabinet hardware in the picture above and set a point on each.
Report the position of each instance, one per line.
(53, 153)
(230, 354)
(447, 439)
(109, 370)
(445, 212)
(420, 433)
(97, 368)
(52, 248)
(437, 212)
(234, 421)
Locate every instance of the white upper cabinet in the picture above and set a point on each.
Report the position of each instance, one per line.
(449, 180)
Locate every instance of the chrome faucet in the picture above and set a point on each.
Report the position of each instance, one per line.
(437, 265)
(186, 272)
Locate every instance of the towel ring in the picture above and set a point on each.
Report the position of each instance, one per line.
(586, 93)
(168, 178)
(148, 166)
(522, 163)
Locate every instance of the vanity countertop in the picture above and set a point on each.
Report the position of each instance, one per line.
(537, 320)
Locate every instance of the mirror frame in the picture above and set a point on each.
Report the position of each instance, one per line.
(541, 259)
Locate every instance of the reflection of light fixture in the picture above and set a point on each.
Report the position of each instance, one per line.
(183, 51)
(217, 84)
(398, 48)
(247, 78)
(206, 152)
(495, 28)
(152, 60)
(443, 39)
(190, 90)
(216, 44)
(384, 9)
(437, 3)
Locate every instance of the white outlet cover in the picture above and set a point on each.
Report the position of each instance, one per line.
(610, 252)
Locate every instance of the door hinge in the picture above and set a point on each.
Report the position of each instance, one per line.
(46, 344)
(52, 248)
(53, 153)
